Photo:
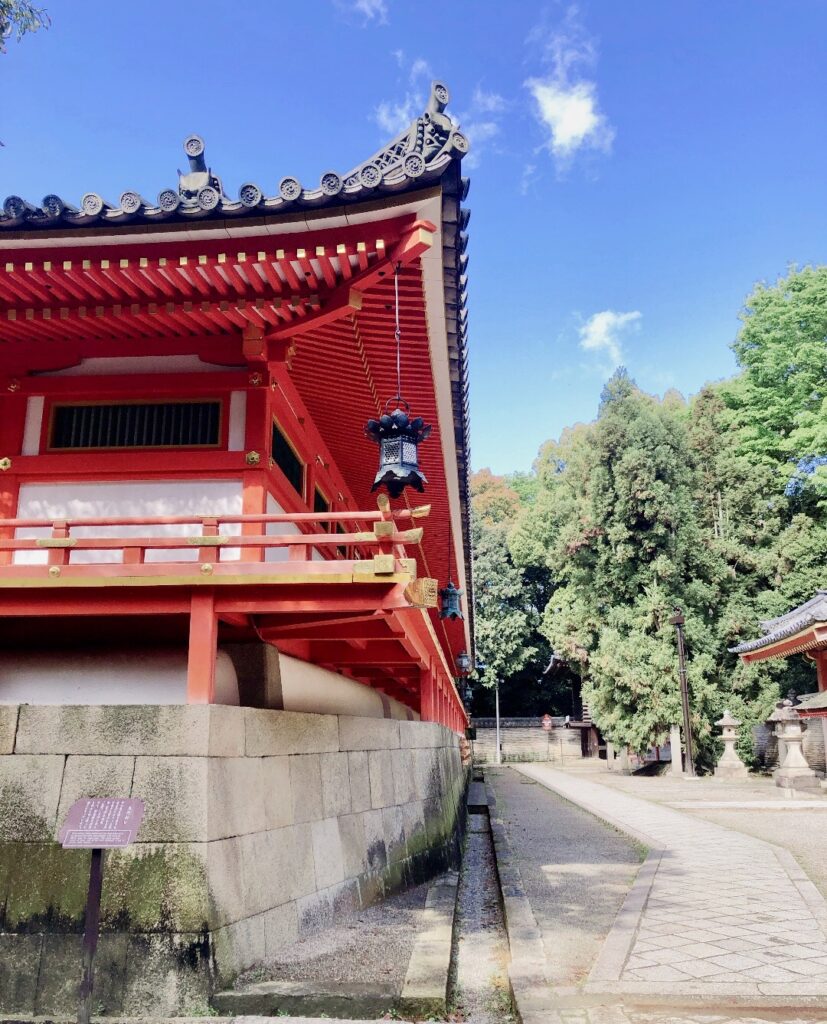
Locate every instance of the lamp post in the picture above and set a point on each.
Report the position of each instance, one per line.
(677, 620)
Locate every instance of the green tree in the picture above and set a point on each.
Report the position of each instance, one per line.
(17, 17)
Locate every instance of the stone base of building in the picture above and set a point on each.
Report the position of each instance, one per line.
(793, 780)
(260, 826)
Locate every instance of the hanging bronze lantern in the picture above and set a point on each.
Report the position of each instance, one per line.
(398, 437)
(397, 434)
(450, 607)
(463, 663)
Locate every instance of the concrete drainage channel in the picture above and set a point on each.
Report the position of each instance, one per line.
(444, 956)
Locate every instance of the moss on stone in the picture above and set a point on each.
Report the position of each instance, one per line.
(45, 887)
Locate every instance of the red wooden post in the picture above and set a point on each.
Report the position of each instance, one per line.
(203, 645)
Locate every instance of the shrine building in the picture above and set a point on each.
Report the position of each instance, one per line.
(234, 555)
(802, 630)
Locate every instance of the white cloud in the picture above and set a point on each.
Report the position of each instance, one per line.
(420, 68)
(370, 9)
(565, 99)
(601, 333)
(481, 123)
(393, 117)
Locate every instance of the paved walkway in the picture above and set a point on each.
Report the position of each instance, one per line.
(713, 913)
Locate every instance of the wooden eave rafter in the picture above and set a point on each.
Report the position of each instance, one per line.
(275, 290)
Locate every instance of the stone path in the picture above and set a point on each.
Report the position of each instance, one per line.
(713, 913)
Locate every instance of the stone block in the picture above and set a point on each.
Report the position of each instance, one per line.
(306, 787)
(29, 796)
(327, 853)
(335, 784)
(413, 824)
(321, 909)
(420, 734)
(380, 768)
(303, 870)
(19, 966)
(271, 871)
(394, 830)
(227, 870)
(59, 976)
(93, 775)
(281, 928)
(359, 780)
(40, 880)
(8, 727)
(238, 946)
(354, 852)
(375, 849)
(157, 886)
(426, 773)
(167, 975)
(176, 793)
(234, 797)
(177, 730)
(404, 787)
(289, 732)
(275, 783)
(368, 733)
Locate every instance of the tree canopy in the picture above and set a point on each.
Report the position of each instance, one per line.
(17, 17)
(717, 505)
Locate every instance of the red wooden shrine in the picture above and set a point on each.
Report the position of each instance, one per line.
(185, 385)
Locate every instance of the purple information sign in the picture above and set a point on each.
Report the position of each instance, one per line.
(102, 823)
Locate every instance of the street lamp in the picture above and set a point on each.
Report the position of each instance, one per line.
(677, 620)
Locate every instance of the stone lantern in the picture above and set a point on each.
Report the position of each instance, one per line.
(794, 772)
(730, 765)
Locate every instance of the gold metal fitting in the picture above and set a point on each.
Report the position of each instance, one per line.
(54, 570)
(13, 385)
(252, 458)
(5, 464)
(206, 569)
(256, 379)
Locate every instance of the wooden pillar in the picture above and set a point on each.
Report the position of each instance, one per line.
(203, 647)
(12, 420)
(820, 658)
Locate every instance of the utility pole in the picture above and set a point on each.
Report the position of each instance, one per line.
(677, 620)
(497, 713)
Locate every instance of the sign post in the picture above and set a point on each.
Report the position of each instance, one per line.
(97, 823)
(547, 723)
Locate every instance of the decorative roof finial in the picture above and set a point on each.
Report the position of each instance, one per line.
(200, 183)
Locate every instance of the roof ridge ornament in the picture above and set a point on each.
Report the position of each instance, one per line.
(199, 185)
(422, 152)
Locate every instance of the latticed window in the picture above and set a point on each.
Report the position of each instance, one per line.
(286, 459)
(136, 425)
(321, 504)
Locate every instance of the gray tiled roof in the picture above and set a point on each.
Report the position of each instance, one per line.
(416, 157)
(808, 614)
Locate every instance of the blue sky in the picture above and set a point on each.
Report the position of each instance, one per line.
(636, 165)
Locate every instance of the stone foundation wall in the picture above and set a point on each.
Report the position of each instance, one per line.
(528, 743)
(260, 826)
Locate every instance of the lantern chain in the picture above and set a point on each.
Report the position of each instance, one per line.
(397, 334)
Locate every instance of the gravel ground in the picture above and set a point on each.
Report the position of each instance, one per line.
(575, 869)
(480, 985)
(371, 945)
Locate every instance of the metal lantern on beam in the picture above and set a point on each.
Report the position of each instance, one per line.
(397, 433)
(464, 662)
(449, 598)
(398, 437)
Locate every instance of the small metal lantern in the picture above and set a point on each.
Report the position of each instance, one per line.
(398, 437)
(450, 607)
(463, 662)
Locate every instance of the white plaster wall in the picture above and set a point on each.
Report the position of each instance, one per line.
(117, 676)
(142, 498)
(306, 687)
(273, 529)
